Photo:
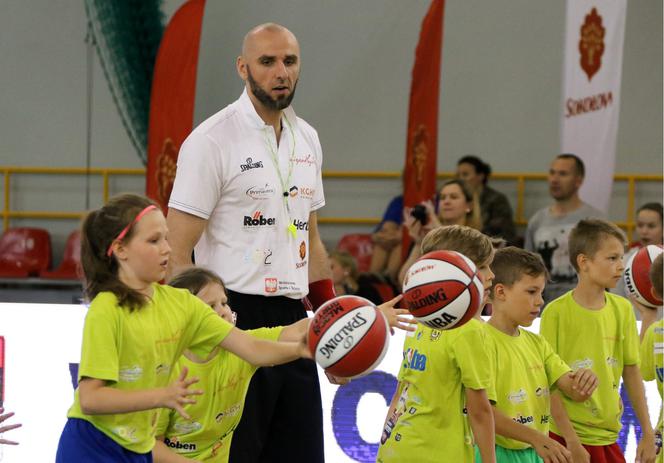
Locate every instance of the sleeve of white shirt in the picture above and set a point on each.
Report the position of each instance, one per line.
(319, 196)
(198, 180)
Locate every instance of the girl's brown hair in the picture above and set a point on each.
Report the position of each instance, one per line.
(196, 278)
(98, 231)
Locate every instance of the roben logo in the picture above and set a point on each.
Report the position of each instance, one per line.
(258, 220)
(176, 444)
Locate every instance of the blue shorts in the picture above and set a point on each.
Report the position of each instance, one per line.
(82, 442)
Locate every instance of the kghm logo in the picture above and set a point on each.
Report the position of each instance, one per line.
(257, 220)
(251, 165)
(176, 444)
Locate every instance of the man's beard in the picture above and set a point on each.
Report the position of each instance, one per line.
(264, 97)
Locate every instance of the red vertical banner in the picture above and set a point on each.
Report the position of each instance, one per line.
(420, 166)
(172, 98)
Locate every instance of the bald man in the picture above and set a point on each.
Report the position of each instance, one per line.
(245, 197)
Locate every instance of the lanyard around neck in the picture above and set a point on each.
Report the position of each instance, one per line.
(291, 229)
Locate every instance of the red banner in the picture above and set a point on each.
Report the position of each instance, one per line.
(421, 145)
(172, 98)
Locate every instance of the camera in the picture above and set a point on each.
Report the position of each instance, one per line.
(419, 212)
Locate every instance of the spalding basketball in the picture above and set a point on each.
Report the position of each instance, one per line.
(637, 275)
(442, 290)
(348, 336)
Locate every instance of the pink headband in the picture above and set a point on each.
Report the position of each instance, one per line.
(125, 230)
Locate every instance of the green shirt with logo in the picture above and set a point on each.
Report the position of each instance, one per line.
(136, 351)
(430, 419)
(526, 371)
(604, 340)
(224, 380)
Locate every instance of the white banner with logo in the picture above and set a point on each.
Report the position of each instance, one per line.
(594, 38)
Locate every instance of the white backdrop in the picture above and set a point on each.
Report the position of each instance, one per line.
(43, 339)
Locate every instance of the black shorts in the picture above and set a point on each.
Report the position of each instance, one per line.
(283, 417)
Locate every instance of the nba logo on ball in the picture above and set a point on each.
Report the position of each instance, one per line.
(637, 275)
(442, 290)
(348, 336)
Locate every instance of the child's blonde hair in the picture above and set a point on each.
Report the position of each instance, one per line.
(510, 264)
(470, 242)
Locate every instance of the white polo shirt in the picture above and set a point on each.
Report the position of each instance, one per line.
(226, 174)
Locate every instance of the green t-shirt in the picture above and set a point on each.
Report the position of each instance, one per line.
(430, 419)
(652, 360)
(603, 340)
(215, 415)
(137, 350)
(528, 369)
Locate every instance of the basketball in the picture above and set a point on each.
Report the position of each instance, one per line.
(442, 290)
(637, 278)
(348, 336)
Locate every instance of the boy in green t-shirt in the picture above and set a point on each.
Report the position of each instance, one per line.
(442, 391)
(592, 328)
(526, 367)
(652, 349)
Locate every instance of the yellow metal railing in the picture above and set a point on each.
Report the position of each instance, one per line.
(520, 179)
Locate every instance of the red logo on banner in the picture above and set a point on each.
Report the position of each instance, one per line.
(165, 173)
(420, 153)
(591, 45)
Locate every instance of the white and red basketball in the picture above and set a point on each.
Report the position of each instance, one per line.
(348, 336)
(637, 275)
(442, 290)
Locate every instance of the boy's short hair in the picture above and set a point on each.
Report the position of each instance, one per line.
(510, 264)
(196, 278)
(470, 242)
(656, 275)
(586, 237)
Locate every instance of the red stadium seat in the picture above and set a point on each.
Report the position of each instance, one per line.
(24, 252)
(360, 246)
(69, 268)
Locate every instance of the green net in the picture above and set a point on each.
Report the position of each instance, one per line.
(126, 34)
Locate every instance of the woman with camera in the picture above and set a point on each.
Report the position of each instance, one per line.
(455, 206)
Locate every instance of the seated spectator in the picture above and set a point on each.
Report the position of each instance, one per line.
(455, 205)
(548, 230)
(347, 281)
(386, 256)
(497, 216)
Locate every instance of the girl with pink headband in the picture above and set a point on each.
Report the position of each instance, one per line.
(135, 331)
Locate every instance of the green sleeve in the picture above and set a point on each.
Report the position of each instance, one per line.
(206, 328)
(647, 354)
(490, 348)
(472, 359)
(631, 343)
(268, 334)
(99, 351)
(553, 364)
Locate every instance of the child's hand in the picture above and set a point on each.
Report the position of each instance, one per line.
(303, 345)
(3, 417)
(646, 452)
(551, 451)
(579, 453)
(336, 379)
(647, 313)
(585, 382)
(395, 317)
(177, 394)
